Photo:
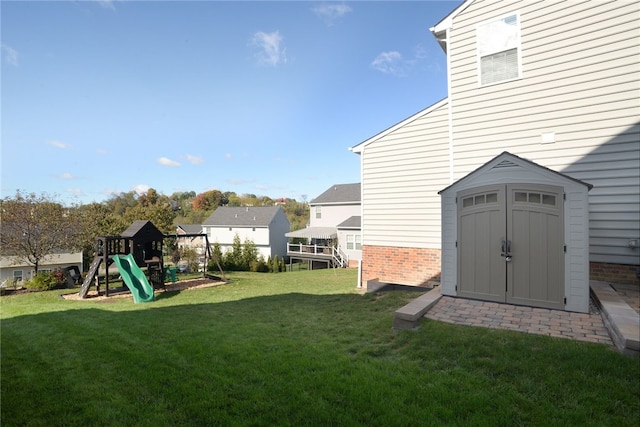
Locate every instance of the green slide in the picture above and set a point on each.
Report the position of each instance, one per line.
(134, 278)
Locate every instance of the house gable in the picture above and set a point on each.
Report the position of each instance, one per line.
(263, 225)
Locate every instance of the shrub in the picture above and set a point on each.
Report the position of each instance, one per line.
(44, 282)
(259, 266)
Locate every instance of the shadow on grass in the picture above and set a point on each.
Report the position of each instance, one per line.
(297, 359)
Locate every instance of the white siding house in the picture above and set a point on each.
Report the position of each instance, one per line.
(556, 83)
(263, 225)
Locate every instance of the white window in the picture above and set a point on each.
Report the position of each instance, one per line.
(354, 241)
(318, 212)
(350, 241)
(498, 44)
(17, 275)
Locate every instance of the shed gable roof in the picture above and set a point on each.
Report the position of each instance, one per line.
(505, 160)
(339, 193)
(249, 216)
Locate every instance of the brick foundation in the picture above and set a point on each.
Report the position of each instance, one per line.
(407, 266)
(416, 266)
(614, 273)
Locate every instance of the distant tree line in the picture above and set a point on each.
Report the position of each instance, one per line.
(34, 226)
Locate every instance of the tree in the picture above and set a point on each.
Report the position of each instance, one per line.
(297, 214)
(94, 220)
(208, 201)
(250, 253)
(160, 214)
(34, 227)
(234, 200)
(119, 203)
(155, 208)
(233, 257)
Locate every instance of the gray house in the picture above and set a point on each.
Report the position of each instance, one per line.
(192, 239)
(333, 235)
(554, 84)
(263, 225)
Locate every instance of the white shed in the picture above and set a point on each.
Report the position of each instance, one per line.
(516, 232)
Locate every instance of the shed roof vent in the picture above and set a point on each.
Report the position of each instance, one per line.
(505, 164)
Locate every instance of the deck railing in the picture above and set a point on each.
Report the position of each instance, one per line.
(320, 252)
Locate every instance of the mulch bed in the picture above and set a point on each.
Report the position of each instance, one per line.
(182, 285)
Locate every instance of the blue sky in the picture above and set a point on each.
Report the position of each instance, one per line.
(103, 97)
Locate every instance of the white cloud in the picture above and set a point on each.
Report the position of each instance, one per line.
(228, 156)
(66, 175)
(389, 63)
(59, 144)
(107, 4)
(269, 48)
(10, 55)
(194, 160)
(164, 161)
(237, 181)
(331, 12)
(394, 63)
(420, 52)
(102, 151)
(141, 189)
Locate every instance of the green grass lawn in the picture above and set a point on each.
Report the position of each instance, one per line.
(299, 348)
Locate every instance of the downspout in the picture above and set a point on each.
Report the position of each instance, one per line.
(359, 284)
(450, 108)
(361, 154)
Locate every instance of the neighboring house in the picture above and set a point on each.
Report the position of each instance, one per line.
(192, 239)
(263, 225)
(14, 270)
(556, 85)
(334, 228)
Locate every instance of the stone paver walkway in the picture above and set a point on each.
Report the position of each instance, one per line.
(629, 294)
(556, 323)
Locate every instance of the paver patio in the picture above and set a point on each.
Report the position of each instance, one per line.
(556, 323)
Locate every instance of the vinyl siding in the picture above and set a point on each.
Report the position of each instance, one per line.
(224, 236)
(277, 239)
(332, 215)
(581, 81)
(402, 173)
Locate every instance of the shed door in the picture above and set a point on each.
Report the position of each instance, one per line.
(511, 244)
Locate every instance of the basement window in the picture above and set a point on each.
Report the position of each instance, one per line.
(498, 49)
